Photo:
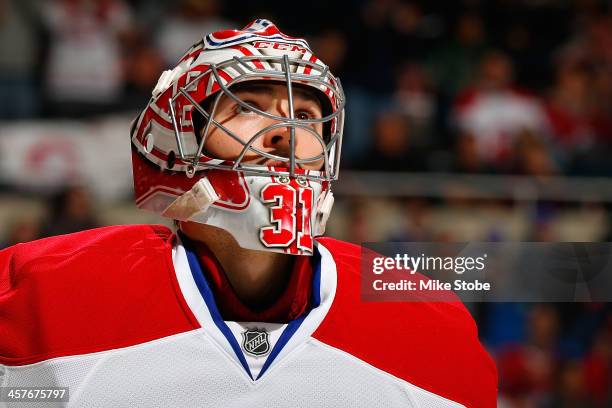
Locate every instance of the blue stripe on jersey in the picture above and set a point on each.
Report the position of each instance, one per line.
(315, 300)
(315, 296)
(209, 298)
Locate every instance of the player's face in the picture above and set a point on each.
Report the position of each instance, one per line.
(271, 98)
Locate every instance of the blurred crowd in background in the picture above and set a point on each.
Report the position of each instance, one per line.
(501, 87)
(472, 86)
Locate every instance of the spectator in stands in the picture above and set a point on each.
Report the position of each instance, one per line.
(571, 386)
(597, 368)
(467, 158)
(580, 119)
(187, 20)
(452, 65)
(21, 230)
(393, 149)
(527, 370)
(70, 210)
(415, 100)
(331, 47)
(417, 223)
(494, 111)
(143, 65)
(360, 228)
(531, 156)
(19, 48)
(590, 43)
(84, 71)
(572, 108)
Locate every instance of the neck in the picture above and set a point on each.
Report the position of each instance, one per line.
(258, 278)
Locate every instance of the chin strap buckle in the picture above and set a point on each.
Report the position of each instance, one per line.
(193, 202)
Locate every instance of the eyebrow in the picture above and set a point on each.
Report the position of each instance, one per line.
(267, 89)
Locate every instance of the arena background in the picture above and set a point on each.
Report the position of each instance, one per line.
(466, 121)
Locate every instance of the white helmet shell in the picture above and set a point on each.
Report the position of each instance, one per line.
(274, 208)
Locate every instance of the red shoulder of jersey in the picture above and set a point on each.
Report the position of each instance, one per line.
(86, 292)
(433, 345)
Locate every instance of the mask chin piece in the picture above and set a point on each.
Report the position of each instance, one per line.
(323, 213)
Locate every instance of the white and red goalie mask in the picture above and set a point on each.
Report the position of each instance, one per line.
(278, 208)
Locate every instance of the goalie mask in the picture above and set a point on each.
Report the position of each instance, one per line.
(266, 197)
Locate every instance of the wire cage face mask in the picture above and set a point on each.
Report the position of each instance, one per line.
(278, 201)
(276, 69)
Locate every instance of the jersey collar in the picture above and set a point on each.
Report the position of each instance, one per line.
(200, 298)
(294, 301)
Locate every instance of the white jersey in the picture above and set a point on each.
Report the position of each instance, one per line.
(124, 317)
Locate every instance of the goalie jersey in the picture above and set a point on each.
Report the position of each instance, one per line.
(124, 317)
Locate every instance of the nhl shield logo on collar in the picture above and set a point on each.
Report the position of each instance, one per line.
(255, 342)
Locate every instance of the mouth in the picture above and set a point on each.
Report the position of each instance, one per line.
(276, 163)
(272, 163)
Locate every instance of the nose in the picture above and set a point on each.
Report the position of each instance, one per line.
(279, 139)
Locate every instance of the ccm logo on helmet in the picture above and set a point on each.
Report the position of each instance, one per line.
(279, 46)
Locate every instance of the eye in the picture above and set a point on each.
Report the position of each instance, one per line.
(240, 109)
(303, 115)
